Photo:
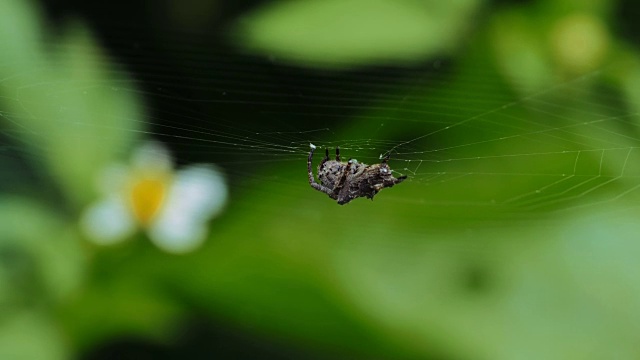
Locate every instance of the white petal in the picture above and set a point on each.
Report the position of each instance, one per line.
(178, 234)
(108, 222)
(197, 194)
(152, 155)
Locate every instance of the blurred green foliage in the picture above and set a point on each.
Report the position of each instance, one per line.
(40, 264)
(339, 33)
(73, 127)
(434, 270)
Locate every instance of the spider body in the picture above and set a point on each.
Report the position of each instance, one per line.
(345, 181)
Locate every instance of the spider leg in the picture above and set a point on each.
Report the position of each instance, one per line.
(343, 178)
(309, 169)
(326, 157)
(337, 153)
(386, 158)
(341, 190)
(312, 181)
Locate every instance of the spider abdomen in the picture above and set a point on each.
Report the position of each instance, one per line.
(330, 172)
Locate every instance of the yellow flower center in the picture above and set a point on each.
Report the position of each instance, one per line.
(146, 198)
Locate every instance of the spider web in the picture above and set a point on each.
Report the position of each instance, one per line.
(569, 144)
(564, 146)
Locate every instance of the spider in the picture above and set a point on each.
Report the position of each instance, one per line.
(346, 181)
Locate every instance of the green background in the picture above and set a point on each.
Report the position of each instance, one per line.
(515, 237)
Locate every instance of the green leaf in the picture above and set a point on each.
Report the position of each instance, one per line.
(131, 306)
(31, 335)
(41, 256)
(76, 112)
(553, 289)
(346, 33)
(20, 32)
(40, 266)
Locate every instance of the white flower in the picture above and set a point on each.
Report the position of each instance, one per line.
(173, 207)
